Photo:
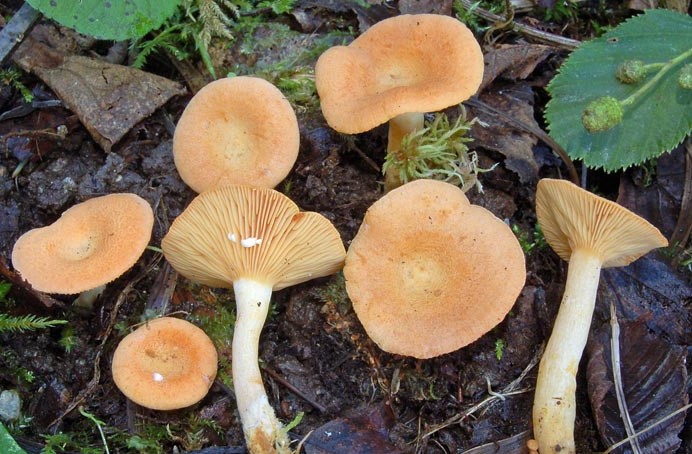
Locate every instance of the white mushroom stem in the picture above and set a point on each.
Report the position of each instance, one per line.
(554, 406)
(399, 127)
(263, 431)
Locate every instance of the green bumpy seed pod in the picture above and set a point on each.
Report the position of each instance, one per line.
(631, 71)
(685, 77)
(602, 114)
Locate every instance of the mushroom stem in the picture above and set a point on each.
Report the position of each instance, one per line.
(399, 127)
(261, 427)
(554, 406)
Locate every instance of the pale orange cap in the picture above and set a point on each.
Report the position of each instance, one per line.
(165, 364)
(573, 218)
(91, 244)
(239, 130)
(407, 63)
(429, 273)
(237, 231)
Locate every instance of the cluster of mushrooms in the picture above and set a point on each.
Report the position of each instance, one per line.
(238, 138)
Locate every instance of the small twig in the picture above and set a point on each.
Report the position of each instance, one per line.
(509, 390)
(539, 35)
(96, 377)
(16, 29)
(617, 379)
(646, 429)
(319, 407)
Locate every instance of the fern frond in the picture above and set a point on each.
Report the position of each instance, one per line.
(9, 323)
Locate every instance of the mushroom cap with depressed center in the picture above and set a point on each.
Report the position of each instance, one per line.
(573, 218)
(238, 231)
(239, 130)
(165, 364)
(429, 273)
(91, 244)
(407, 63)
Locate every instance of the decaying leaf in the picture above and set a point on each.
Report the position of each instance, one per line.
(365, 433)
(498, 135)
(514, 61)
(654, 379)
(108, 99)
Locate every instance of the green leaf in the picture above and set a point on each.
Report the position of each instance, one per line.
(7, 443)
(655, 122)
(108, 19)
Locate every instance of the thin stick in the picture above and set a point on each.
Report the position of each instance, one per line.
(16, 29)
(646, 429)
(545, 37)
(509, 390)
(617, 380)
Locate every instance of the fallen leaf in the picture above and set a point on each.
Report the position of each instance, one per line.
(514, 61)
(364, 433)
(498, 135)
(511, 445)
(654, 379)
(108, 99)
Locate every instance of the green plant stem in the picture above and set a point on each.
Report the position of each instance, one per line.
(665, 67)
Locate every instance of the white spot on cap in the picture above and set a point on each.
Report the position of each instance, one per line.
(232, 237)
(251, 241)
(158, 377)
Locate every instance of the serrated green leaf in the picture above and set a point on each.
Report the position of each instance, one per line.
(7, 443)
(108, 19)
(655, 123)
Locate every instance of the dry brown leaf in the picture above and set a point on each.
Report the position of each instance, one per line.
(498, 135)
(108, 99)
(514, 61)
(654, 379)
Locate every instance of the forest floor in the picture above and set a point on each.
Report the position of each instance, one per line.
(315, 355)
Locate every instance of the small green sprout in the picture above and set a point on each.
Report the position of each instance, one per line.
(68, 340)
(437, 152)
(499, 348)
(13, 77)
(99, 425)
(528, 244)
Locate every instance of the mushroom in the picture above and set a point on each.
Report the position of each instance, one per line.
(165, 364)
(90, 245)
(396, 70)
(590, 233)
(256, 241)
(429, 273)
(239, 130)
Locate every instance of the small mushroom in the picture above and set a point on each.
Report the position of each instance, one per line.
(429, 273)
(256, 241)
(590, 233)
(165, 364)
(239, 130)
(396, 70)
(90, 245)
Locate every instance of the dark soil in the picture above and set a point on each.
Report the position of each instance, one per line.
(316, 355)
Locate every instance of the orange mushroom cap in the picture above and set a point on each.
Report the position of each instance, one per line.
(239, 130)
(407, 63)
(165, 364)
(91, 244)
(238, 231)
(429, 273)
(573, 218)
